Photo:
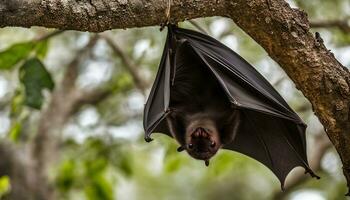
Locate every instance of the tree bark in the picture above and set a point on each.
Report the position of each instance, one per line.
(281, 30)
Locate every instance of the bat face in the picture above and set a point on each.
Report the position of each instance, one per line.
(202, 139)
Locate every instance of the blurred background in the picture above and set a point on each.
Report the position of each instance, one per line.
(71, 105)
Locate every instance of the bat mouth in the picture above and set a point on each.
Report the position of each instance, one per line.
(201, 145)
(201, 133)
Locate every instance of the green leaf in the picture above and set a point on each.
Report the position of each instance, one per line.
(15, 131)
(42, 49)
(5, 185)
(15, 53)
(35, 78)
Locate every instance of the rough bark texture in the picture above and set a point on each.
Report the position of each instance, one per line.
(281, 30)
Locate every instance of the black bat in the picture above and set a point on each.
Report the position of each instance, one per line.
(207, 97)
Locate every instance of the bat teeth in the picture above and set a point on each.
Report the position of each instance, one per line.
(200, 132)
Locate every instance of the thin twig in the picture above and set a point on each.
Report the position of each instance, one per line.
(195, 24)
(72, 68)
(343, 24)
(140, 83)
(49, 35)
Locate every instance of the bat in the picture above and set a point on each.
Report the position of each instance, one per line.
(199, 122)
(207, 98)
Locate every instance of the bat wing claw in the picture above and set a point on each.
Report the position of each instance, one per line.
(148, 139)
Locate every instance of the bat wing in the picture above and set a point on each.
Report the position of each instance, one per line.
(158, 101)
(270, 131)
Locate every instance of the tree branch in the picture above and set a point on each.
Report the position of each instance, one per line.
(197, 26)
(49, 35)
(101, 15)
(343, 25)
(45, 143)
(140, 83)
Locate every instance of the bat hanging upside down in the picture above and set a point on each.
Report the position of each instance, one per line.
(200, 117)
(207, 97)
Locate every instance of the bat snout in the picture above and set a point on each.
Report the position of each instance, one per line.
(201, 145)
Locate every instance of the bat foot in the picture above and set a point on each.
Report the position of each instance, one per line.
(207, 163)
(148, 139)
(181, 148)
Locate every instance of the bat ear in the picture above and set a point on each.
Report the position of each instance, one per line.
(181, 148)
(207, 163)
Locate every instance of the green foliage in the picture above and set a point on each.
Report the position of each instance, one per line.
(17, 103)
(42, 49)
(85, 169)
(5, 185)
(35, 78)
(66, 175)
(14, 54)
(122, 83)
(99, 188)
(20, 51)
(15, 132)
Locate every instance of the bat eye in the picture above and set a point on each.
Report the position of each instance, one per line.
(212, 144)
(190, 146)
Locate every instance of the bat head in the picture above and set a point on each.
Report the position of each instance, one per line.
(202, 141)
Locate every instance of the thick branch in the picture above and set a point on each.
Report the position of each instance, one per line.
(101, 15)
(58, 111)
(44, 146)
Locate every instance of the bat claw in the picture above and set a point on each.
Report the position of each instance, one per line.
(181, 148)
(148, 139)
(207, 163)
(312, 174)
(282, 187)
